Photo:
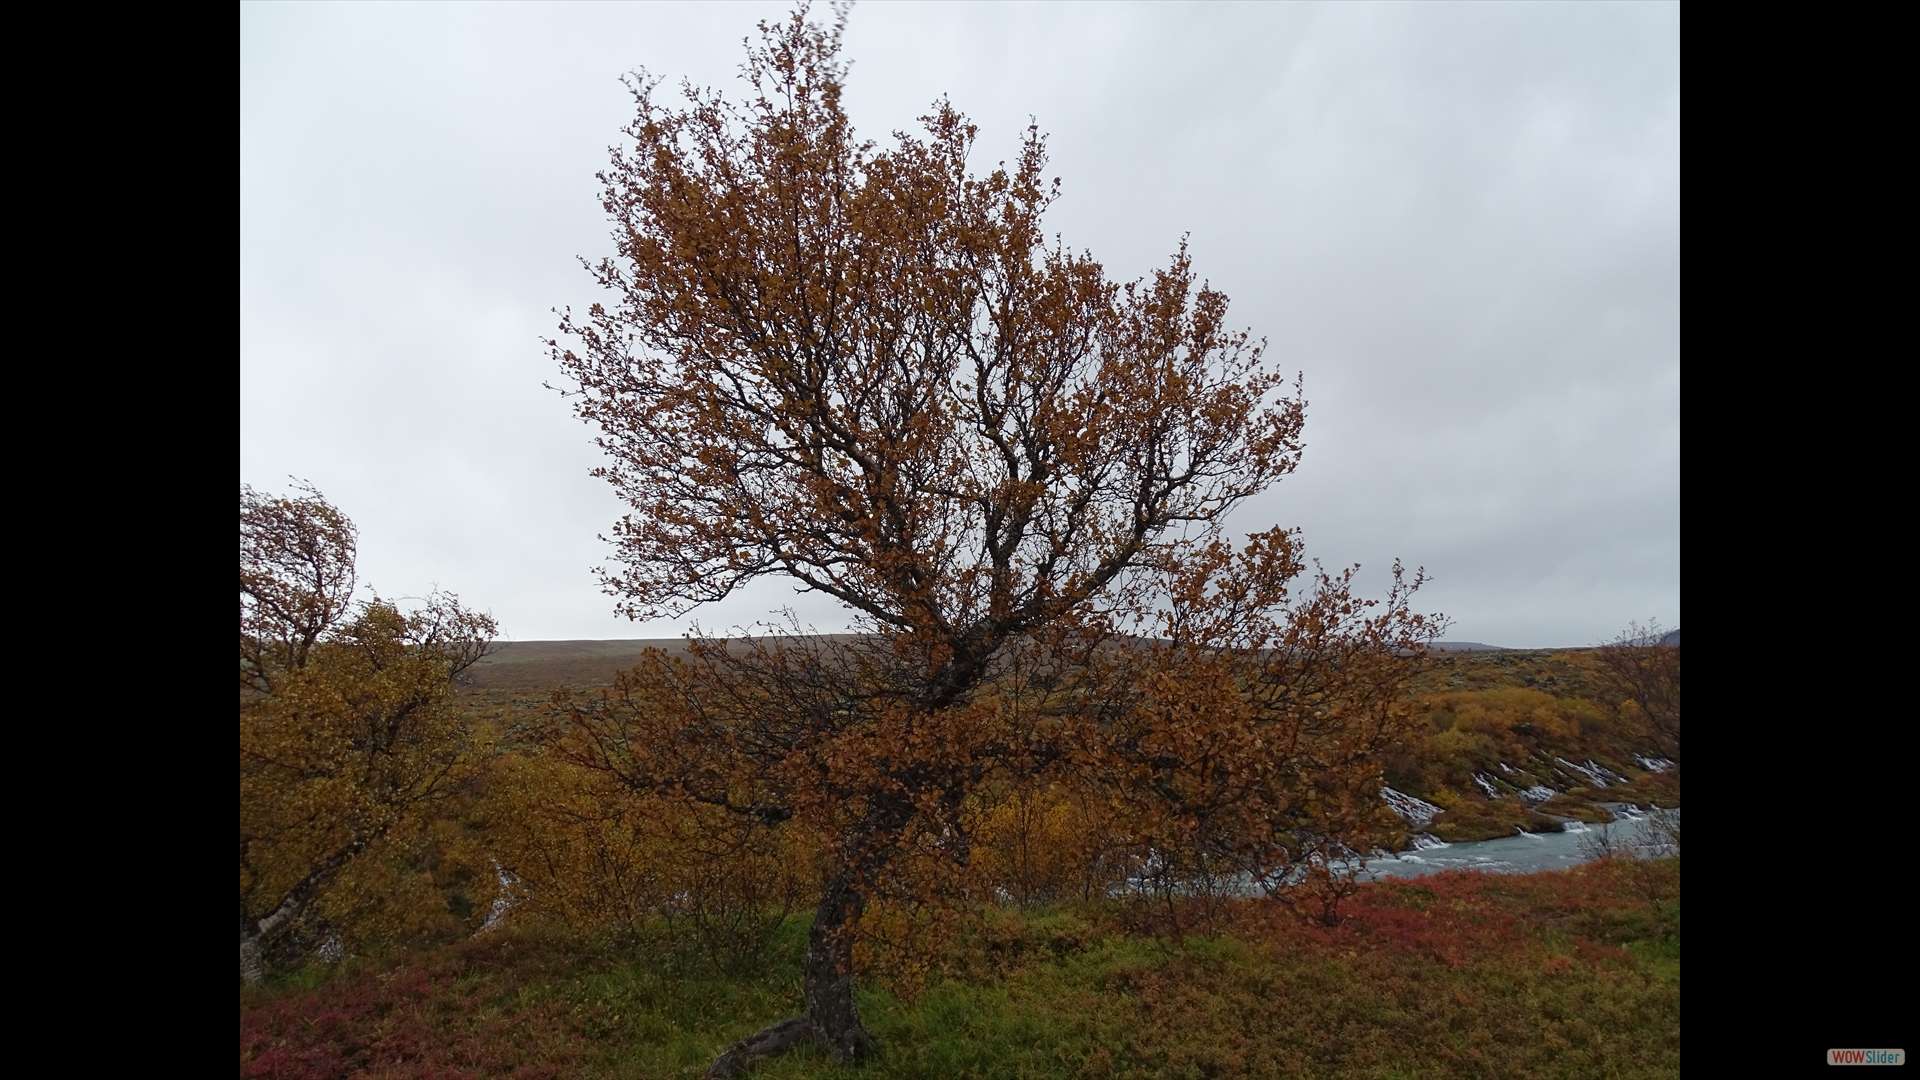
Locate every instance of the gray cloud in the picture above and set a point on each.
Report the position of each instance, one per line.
(1460, 221)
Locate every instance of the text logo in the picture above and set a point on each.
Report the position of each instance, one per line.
(1866, 1057)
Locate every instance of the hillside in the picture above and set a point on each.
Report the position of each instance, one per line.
(1523, 739)
(1507, 739)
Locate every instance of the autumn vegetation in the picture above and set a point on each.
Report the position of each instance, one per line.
(640, 944)
(1492, 725)
(1565, 975)
(1083, 794)
(349, 734)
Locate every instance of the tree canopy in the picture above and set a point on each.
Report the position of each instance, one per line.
(346, 720)
(869, 371)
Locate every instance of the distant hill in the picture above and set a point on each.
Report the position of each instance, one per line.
(1672, 638)
(546, 664)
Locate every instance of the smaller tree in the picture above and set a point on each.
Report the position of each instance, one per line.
(346, 720)
(1641, 668)
(1599, 843)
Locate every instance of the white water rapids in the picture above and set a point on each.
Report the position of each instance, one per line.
(1632, 833)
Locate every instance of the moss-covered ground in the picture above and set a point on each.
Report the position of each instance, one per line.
(1568, 974)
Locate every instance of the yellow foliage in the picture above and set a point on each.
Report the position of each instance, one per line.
(335, 763)
(347, 731)
(592, 853)
(1042, 843)
(1458, 742)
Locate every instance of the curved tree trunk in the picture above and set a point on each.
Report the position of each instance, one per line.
(831, 1019)
(253, 968)
(255, 933)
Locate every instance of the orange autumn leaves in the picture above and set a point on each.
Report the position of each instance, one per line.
(868, 370)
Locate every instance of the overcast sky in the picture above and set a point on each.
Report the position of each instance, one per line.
(1461, 222)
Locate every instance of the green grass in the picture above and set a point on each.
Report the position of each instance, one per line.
(1571, 974)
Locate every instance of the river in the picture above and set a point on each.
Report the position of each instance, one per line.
(1525, 853)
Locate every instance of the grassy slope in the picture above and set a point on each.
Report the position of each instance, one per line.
(1569, 974)
(1524, 709)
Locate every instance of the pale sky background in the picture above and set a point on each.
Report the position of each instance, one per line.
(1460, 221)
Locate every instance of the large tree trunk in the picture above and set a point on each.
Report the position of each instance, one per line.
(831, 1019)
(829, 971)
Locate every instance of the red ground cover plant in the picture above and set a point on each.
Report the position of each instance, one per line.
(460, 1013)
(1571, 974)
(1460, 974)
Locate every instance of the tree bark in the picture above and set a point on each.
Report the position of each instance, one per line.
(831, 1019)
(829, 970)
(253, 969)
(255, 932)
(770, 1041)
